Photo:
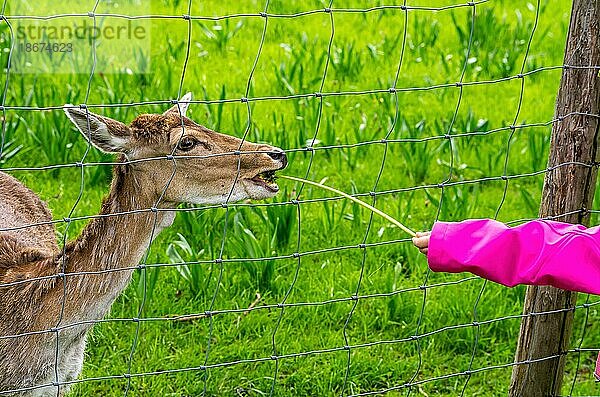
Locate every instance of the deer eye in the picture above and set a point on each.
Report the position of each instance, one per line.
(186, 144)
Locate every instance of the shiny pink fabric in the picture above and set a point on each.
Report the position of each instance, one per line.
(536, 253)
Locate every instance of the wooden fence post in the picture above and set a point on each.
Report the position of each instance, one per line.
(544, 339)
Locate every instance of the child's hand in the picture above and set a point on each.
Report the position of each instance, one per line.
(421, 241)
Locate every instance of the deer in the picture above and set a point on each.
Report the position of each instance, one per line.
(50, 297)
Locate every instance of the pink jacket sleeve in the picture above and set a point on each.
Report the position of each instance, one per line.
(538, 253)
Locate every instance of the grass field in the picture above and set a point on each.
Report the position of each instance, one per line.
(364, 56)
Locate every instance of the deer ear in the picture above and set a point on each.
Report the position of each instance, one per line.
(183, 105)
(106, 134)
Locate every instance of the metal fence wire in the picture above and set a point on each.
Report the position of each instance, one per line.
(421, 340)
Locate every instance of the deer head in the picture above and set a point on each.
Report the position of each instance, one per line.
(207, 167)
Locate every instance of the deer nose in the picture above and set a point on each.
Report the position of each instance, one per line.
(279, 155)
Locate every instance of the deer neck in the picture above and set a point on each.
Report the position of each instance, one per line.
(121, 234)
(111, 246)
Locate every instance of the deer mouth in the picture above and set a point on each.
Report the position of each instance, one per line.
(266, 179)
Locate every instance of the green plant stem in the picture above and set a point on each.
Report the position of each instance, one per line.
(357, 201)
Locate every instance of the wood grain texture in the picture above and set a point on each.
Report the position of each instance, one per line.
(567, 189)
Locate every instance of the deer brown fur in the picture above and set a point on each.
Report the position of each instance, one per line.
(50, 297)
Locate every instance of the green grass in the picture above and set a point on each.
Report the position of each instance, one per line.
(364, 56)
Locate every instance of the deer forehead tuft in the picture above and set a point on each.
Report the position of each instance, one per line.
(153, 127)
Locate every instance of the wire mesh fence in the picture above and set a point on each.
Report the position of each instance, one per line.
(305, 294)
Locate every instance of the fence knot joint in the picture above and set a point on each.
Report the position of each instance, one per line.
(218, 261)
(392, 90)
(91, 14)
(67, 220)
(296, 255)
(244, 100)
(263, 14)
(170, 157)
(186, 17)
(327, 10)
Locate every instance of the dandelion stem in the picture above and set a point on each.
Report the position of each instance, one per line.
(357, 201)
